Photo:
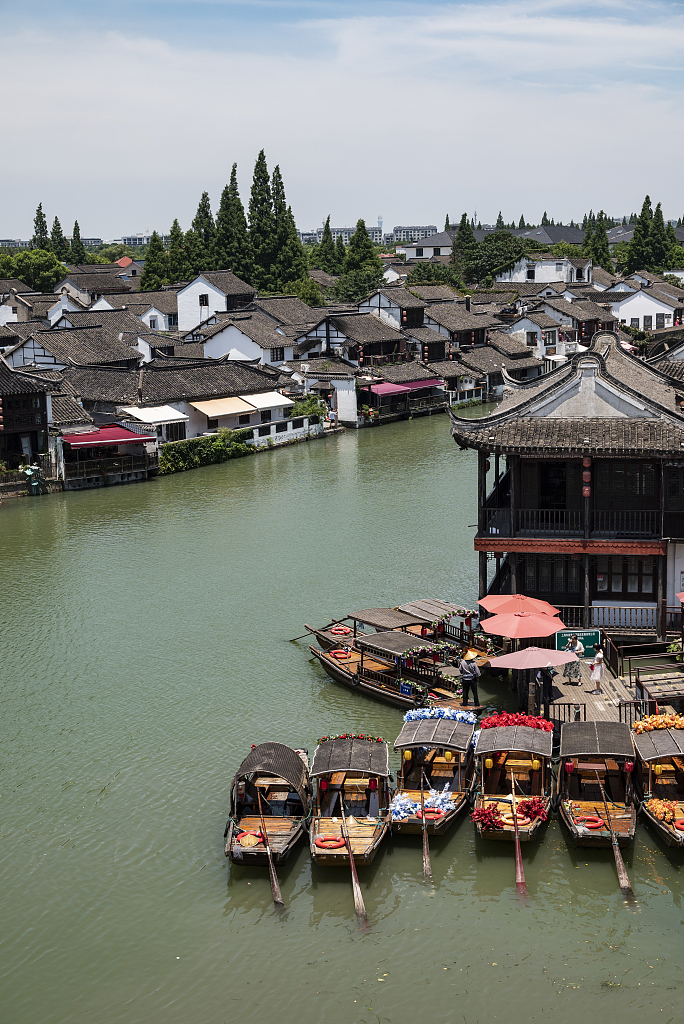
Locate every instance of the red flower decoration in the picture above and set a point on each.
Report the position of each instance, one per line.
(508, 719)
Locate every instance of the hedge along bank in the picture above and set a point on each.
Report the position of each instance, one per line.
(177, 456)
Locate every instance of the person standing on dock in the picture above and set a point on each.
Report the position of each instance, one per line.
(597, 670)
(572, 671)
(470, 674)
(545, 681)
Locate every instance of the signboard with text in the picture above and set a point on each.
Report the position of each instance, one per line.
(587, 637)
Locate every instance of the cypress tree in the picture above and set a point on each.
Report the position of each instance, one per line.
(639, 257)
(41, 238)
(58, 242)
(77, 253)
(464, 250)
(327, 259)
(585, 221)
(360, 254)
(600, 248)
(659, 246)
(500, 226)
(205, 231)
(290, 261)
(156, 269)
(262, 227)
(588, 242)
(340, 253)
(195, 255)
(231, 248)
(545, 220)
(178, 268)
(446, 223)
(521, 222)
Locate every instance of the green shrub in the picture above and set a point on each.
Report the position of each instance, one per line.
(177, 456)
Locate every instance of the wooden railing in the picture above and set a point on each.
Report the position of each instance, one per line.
(626, 523)
(630, 711)
(570, 712)
(102, 467)
(534, 521)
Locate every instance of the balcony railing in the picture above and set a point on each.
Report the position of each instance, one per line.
(626, 523)
(535, 522)
(108, 467)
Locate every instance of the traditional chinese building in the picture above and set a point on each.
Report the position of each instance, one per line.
(581, 490)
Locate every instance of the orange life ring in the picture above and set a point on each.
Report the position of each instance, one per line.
(679, 824)
(591, 821)
(341, 630)
(431, 813)
(340, 655)
(258, 835)
(507, 818)
(329, 842)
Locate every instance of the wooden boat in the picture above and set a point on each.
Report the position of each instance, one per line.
(439, 751)
(659, 776)
(380, 619)
(588, 748)
(521, 753)
(441, 615)
(351, 773)
(280, 776)
(396, 668)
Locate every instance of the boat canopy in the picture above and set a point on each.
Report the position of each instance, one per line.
(395, 643)
(387, 618)
(430, 609)
(435, 732)
(514, 737)
(279, 760)
(604, 739)
(343, 755)
(651, 746)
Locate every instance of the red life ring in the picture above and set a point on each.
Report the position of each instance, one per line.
(341, 630)
(329, 842)
(591, 821)
(340, 655)
(257, 834)
(679, 824)
(431, 814)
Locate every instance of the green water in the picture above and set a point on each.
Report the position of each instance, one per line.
(144, 650)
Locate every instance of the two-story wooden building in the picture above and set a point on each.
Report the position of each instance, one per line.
(581, 490)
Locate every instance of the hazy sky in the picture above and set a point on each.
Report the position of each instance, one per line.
(124, 113)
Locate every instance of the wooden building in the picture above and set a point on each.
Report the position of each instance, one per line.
(24, 417)
(581, 490)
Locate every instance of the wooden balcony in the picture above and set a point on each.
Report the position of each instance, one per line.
(625, 524)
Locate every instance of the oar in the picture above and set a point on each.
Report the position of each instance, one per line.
(519, 872)
(356, 888)
(623, 878)
(427, 868)
(310, 632)
(275, 888)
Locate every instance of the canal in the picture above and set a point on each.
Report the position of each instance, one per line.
(145, 647)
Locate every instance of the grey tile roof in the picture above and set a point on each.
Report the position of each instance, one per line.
(9, 283)
(98, 283)
(542, 320)
(115, 321)
(673, 368)
(165, 301)
(433, 292)
(365, 328)
(325, 367)
(455, 317)
(228, 282)
(401, 297)
(425, 335)
(66, 412)
(285, 309)
(84, 345)
(402, 373)
(442, 238)
(13, 383)
(510, 346)
(321, 278)
(581, 309)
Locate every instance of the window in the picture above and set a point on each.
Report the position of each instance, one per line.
(580, 275)
(277, 355)
(212, 424)
(437, 252)
(629, 576)
(173, 319)
(244, 419)
(266, 416)
(648, 323)
(281, 427)
(559, 268)
(419, 251)
(153, 323)
(14, 310)
(264, 431)
(175, 431)
(530, 273)
(204, 300)
(660, 320)
(634, 322)
(296, 424)
(134, 273)
(531, 339)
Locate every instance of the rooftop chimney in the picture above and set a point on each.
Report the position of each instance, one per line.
(467, 303)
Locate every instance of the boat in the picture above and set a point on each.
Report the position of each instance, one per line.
(350, 774)
(380, 619)
(438, 751)
(396, 668)
(508, 754)
(659, 776)
(277, 777)
(597, 759)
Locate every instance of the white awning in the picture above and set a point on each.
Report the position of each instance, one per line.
(156, 414)
(223, 407)
(268, 400)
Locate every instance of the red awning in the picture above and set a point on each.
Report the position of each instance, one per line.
(389, 389)
(412, 385)
(105, 436)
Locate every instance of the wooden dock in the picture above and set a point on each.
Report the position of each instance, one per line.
(602, 708)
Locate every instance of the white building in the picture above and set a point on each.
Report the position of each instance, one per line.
(412, 232)
(647, 310)
(212, 292)
(548, 268)
(439, 243)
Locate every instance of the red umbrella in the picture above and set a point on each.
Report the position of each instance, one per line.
(501, 603)
(519, 625)
(533, 657)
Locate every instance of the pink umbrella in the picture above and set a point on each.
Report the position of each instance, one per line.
(533, 657)
(680, 596)
(501, 603)
(521, 625)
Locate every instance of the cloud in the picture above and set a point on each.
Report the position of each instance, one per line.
(410, 113)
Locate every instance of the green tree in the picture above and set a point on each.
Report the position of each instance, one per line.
(446, 223)
(640, 256)
(290, 261)
(360, 254)
(497, 252)
(195, 254)
(308, 290)
(41, 237)
(204, 230)
(231, 248)
(588, 238)
(58, 242)
(156, 270)
(178, 268)
(327, 258)
(545, 221)
(566, 249)
(340, 253)
(521, 222)
(500, 226)
(433, 273)
(356, 285)
(600, 248)
(77, 249)
(659, 244)
(464, 250)
(262, 233)
(37, 268)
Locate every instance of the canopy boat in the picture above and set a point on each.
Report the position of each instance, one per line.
(276, 777)
(395, 668)
(659, 775)
(437, 751)
(597, 759)
(514, 766)
(441, 615)
(347, 629)
(351, 795)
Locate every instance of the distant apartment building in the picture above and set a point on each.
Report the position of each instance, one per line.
(401, 233)
(142, 238)
(412, 232)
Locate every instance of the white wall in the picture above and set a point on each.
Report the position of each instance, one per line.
(428, 251)
(545, 271)
(236, 345)
(162, 322)
(383, 308)
(641, 304)
(344, 395)
(190, 313)
(675, 568)
(31, 352)
(6, 314)
(520, 329)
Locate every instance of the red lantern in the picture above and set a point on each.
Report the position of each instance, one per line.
(468, 621)
(629, 766)
(569, 767)
(586, 462)
(373, 784)
(440, 627)
(586, 476)
(324, 784)
(586, 491)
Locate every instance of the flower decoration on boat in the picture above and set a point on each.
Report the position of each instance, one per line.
(352, 736)
(487, 817)
(663, 810)
(510, 718)
(533, 808)
(652, 722)
(421, 714)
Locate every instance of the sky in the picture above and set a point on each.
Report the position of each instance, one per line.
(123, 114)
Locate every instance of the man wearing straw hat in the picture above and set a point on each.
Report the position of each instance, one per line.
(470, 674)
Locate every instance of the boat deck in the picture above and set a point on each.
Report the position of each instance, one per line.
(599, 708)
(362, 833)
(278, 830)
(620, 816)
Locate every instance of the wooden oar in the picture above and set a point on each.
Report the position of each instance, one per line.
(275, 887)
(519, 872)
(356, 888)
(310, 632)
(427, 868)
(623, 878)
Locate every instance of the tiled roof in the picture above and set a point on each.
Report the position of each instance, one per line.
(13, 383)
(542, 320)
(84, 345)
(115, 321)
(325, 368)
(285, 309)
(673, 368)
(401, 297)
(321, 278)
(364, 328)
(98, 283)
(563, 436)
(66, 412)
(510, 346)
(425, 335)
(9, 283)
(455, 317)
(580, 309)
(433, 292)
(227, 282)
(442, 238)
(402, 373)
(165, 301)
